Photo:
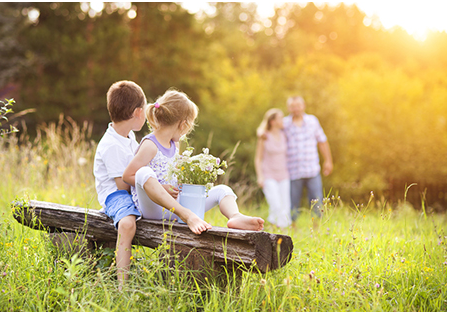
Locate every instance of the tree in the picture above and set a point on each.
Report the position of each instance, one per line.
(13, 59)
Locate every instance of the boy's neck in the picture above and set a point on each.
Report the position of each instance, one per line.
(122, 128)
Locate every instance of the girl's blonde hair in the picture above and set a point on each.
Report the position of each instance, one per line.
(265, 125)
(173, 107)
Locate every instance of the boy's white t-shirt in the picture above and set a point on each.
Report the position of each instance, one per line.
(114, 153)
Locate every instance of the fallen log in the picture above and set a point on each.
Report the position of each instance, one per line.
(218, 247)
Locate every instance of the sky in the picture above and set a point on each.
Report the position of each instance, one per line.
(416, 17)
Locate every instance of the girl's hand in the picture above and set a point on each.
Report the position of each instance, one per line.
(173, 191)
(196, 224)
(261, 182)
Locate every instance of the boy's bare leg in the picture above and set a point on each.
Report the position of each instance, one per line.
(125, 234)
(237, 220)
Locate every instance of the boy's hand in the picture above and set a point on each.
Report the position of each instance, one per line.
(196, 224)
(173, 191)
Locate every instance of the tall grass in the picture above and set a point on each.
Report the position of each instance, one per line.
(365, 257)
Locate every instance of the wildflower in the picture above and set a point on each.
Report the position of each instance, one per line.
(82, 161)
(403, 260)
(279, 241)
(312, 272)
(4, 273)
(131, 258)
(262, 282)
(377, 285)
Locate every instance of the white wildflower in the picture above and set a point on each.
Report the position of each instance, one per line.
(82, 161)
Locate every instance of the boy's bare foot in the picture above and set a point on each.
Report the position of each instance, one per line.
(242, 222)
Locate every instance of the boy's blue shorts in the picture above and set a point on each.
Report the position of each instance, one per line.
(119, 205)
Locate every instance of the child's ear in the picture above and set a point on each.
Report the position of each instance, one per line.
(137, 112)
(183, 124)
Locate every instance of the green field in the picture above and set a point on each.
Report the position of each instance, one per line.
(374, 256)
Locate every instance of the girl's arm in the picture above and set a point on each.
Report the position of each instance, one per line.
(145, 154)
(258, 161)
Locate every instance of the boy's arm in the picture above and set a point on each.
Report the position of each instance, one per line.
(145, 154)
(121, 185)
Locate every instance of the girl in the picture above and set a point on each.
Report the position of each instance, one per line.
(172, 116)
(271, 167)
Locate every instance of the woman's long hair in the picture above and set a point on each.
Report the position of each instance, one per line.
(265, 125)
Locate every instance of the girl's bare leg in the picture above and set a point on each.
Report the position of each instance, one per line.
(159, 195)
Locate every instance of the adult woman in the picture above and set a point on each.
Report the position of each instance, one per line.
(271, 167)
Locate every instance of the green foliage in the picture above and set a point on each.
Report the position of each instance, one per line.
(368, 257)
(363, 257)
(379, 95)
(5, 109)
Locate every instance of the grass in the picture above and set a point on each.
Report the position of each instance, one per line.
(366, 257)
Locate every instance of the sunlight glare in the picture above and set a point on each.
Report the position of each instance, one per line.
(33, 15)
(416, 17)
(131, 14)
(96, 6)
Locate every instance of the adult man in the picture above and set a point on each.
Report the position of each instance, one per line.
(305, 136)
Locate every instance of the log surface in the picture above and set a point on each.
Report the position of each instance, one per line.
(223, 246)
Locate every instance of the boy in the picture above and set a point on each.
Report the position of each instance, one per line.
(126, 106)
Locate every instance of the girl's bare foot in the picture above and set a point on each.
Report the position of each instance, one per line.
(196, 224)
(242, 222)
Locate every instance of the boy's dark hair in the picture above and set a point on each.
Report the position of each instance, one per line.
(123, 98)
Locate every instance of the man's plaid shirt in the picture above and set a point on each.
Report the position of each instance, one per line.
(302, 146)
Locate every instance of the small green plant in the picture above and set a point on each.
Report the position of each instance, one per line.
(5, 109)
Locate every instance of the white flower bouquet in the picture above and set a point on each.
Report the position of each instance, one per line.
(201, 169)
